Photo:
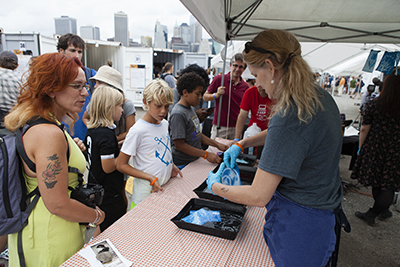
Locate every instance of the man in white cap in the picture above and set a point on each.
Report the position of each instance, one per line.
(111, 77)
(9, 84)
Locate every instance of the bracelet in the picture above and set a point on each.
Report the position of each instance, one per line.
(236, 139)
(205, 155)
(213, 95)
(154, 181)
(239, 145)
(98, 217)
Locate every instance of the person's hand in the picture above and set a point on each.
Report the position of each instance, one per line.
(231, 155)
(202, 114)
(232, 142)
(220, 91)
(215, 177)
(80, 144)
(175, 171)
(213, 158)
(120, 143)
(358, 151)
(222, 147)
(209, 111)
(156, 187)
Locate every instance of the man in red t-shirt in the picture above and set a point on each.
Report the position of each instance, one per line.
(256, 100)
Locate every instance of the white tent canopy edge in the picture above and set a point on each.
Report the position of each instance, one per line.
(344, 21)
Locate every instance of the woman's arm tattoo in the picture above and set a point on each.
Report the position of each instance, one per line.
(52, 169)
(224, 189)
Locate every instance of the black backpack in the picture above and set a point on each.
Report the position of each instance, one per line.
(164, 75)
(15, 203)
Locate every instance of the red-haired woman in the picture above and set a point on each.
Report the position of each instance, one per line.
(55, 90)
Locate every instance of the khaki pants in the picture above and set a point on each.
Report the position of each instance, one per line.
(224, 132)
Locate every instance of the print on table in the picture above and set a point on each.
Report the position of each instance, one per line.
(106, 255)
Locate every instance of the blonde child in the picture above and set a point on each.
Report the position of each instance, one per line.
(102, 148)
(148, 143)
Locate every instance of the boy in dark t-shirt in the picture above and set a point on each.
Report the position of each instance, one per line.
(184, 125)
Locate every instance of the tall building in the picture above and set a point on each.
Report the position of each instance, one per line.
(65, 25)
(121, 30)
(216, 47)
(176, 30)
(90, 32)
(177, 44)
(184, 33)
(160, 36)
(195, 30)
(146, 41)
(204, 47)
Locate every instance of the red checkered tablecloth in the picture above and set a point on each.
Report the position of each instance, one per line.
(147, 237)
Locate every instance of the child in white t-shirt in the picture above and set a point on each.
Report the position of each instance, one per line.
(148, 143)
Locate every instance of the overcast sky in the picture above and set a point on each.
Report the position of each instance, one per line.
(38, 15)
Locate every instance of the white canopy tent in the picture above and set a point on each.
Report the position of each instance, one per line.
(341, 58)
(334, 58)
(321, 21)
(344, 21)
(233, 48)
(336, 36)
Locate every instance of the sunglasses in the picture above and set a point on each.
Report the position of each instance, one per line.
(248, 46)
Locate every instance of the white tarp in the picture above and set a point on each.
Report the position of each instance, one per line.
(344, 21)
(333, 58)
(333, 33)
(341, 58)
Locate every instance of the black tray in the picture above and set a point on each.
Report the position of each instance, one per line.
(246, 176)
(251, 159)
(196, 204)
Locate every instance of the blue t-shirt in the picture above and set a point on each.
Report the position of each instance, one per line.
(306, 155)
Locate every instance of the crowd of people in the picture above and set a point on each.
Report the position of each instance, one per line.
(350, 85)
(297, 180)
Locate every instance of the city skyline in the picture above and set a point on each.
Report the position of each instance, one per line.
(142, 15)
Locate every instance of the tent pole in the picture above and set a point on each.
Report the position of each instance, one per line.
(222, 84)
(333, 86)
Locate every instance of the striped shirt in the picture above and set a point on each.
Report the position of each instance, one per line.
(9, 90)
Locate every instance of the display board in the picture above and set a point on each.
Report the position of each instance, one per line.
(137, 76)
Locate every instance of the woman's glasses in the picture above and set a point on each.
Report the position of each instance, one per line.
(79, 87)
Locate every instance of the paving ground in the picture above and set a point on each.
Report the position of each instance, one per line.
(365, 246)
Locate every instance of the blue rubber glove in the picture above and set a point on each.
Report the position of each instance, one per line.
(215, 177)
(358, 152)
(231, 155)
